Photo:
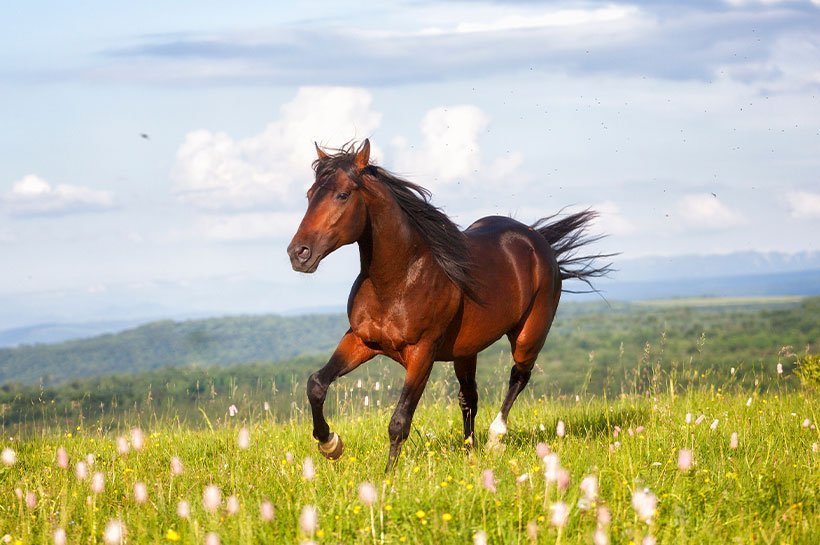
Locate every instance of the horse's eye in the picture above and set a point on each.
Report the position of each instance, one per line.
(342, 196)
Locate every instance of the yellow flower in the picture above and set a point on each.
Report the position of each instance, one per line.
(357, 508)
(320, 533)
(469, 487)
(421, 514)
(172, 535)
(444, 484)
(388, 507)
(446, 517)
(403, 539)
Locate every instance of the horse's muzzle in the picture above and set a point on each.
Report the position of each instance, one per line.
(302, 258)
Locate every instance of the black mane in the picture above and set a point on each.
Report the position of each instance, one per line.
(446, 241)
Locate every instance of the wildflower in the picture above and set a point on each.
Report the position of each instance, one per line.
(183, 509)
(541, 450)
(176, 466)
(97, 483)
(749, 402)
(480, 538)
(366, 401)
(81, 470)
(19, 493)
(89, 459)
(562, 479)
(446, 517)
(232, 411)
(266, 511)
(806, 423)
(589, 486)
(137, 439)
(232, 504)
(604, 516)
(600, 537)
(9, 457)
(814, 447)
(532, 531)
(122, 445)
(172, 535)
(685, 459)
(211, 498)
(59, 537)
(630, 431)
(266, 406)
(551, 466)
(644, 502)
(308, 471)
(649, 540)
(521, 479)
(733, 441)
(639, 430)
(714, 424)
(488, 480)
(359, 384)
(114, 532)
(140, 492)
(309, 519)
(62, 458)
(244, 439)
(367, 494)
(616, 431)
(212, 538)
(560, 514)
(377, 386)
(700, 419)
(420, 514)
(779, 368)
(560, 429)
(31, 500)
(732, 371)
(289, 457)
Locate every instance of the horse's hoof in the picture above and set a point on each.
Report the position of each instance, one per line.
(333, 448)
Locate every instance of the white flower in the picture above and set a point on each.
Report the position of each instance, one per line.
(114, 532)
(232, 505)
(589, 486)
(733, 441)
(600, 537)
(309, 519)
(700, 419)
(31, 500)
(59, 537)
(685, 459)
(560, 514)
(266, 511)
(779, 368)
(266, 406)
(644, 502)
(552, 465)
(244, 439)
(9, 457)
(62, 458)
(232, 410)
(81, 470)
(212, 538)
(176, 466)
(140, 492)
(183, 509)
(137, 439)
(714, 425)
(308, 470)
(367, 494)
(480, 538)
(560, 429)
(97, 483)
(122, 445)
(211, 498)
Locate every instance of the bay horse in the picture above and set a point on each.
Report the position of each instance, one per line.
(428, 291)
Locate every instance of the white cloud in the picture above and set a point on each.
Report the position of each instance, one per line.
(550, 19)
(216, 172)
(450, 152)
(705, 211)
(33, 196)
(249, 226)
(804, 204)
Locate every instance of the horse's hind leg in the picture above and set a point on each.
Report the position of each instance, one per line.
(467, 395)
(526, 339)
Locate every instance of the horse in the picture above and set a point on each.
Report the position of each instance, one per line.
(428, 291)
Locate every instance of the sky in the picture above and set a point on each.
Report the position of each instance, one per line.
(693, 128)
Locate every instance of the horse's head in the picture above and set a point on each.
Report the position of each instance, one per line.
(336, 213)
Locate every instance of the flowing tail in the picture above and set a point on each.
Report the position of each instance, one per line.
(566, 236)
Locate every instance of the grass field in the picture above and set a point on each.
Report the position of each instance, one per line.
(763, 491)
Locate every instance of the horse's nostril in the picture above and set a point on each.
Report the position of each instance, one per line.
(303, 253)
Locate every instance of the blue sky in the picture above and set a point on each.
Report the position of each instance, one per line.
(694, 128)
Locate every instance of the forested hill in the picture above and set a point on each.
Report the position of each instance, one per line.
(224, 341)
(735, 331)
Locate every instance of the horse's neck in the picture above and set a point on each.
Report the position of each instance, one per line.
(389, 246)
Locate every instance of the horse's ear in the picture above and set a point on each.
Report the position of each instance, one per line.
(320, 152)
(363, 155)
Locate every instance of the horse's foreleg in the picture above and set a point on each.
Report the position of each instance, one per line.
(350, 353)
(467, 395)
(419, 363)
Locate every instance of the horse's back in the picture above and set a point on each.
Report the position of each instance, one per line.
(512, 262)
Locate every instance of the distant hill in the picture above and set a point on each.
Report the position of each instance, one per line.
(579, 329)
(55, 333)
(156, 345)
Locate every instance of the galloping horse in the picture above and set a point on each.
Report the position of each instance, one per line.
(428, 291)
